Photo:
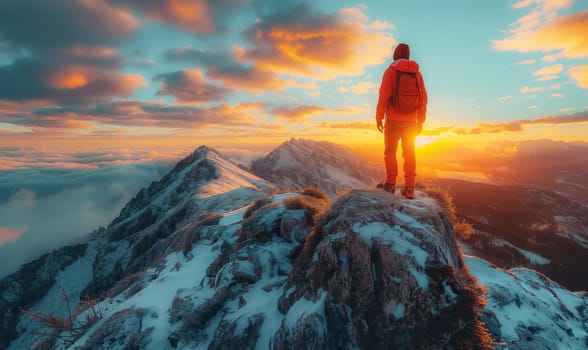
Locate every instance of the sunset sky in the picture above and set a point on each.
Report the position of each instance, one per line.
(86, 84)
(79, 75)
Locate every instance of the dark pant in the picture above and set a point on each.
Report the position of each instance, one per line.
(407, 134)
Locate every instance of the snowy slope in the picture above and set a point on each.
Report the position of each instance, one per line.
(299, 163)
(192, 194)
(527, 310)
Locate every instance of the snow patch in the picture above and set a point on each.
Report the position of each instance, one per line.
(524, 299)
(534, 258)
(399, 311)
(233, 217)
(304, 307)
(420, 277)
(401, 241)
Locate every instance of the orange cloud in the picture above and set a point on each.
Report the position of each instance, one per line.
(580, 74)
(350, 125)
(514, 126)
(296, 112)
(67, 80)
(578, 117)
(526, 89)
(251, 78)
(128, 83)
(551, 70)
(526, 62)
(134, 114)
(365, 87)
(272, 126)
(117, 21)
(8, 234)
(89, 51)
(191, 15)
(348, 110)
(317, 46)
(106, 133)
(190, 86)
(542, 30)
(75, 124)
(548, 77)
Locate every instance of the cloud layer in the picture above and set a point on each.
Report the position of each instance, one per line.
(42, 209)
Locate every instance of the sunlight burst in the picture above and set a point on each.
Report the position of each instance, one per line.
(422, 140)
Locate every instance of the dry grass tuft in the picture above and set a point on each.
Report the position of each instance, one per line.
(123, 284)
(260, 203)
(312, 200)
(462, 229)
(65, 329)
(315, 192)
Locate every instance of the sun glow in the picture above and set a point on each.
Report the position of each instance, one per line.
(422, 140)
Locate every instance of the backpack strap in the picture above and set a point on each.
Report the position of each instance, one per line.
(398, 75)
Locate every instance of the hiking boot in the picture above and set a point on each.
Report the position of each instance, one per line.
(408, 192)
(388, 187)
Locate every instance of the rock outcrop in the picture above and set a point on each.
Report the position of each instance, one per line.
(382, 273)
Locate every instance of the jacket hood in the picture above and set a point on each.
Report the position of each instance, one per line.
(405, 65)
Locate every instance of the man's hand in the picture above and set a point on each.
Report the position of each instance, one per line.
(419, 128)
(380, 126)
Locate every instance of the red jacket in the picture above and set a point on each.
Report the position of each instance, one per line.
(387, 89)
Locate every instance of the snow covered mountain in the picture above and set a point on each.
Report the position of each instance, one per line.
(192, 195)
(527, 310)
(213, 257)
(299, 163)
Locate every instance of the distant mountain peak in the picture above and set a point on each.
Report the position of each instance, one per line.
(198, 154)
(203, 174)
(299, 163)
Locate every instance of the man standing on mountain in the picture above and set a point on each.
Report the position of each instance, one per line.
(403, 103)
